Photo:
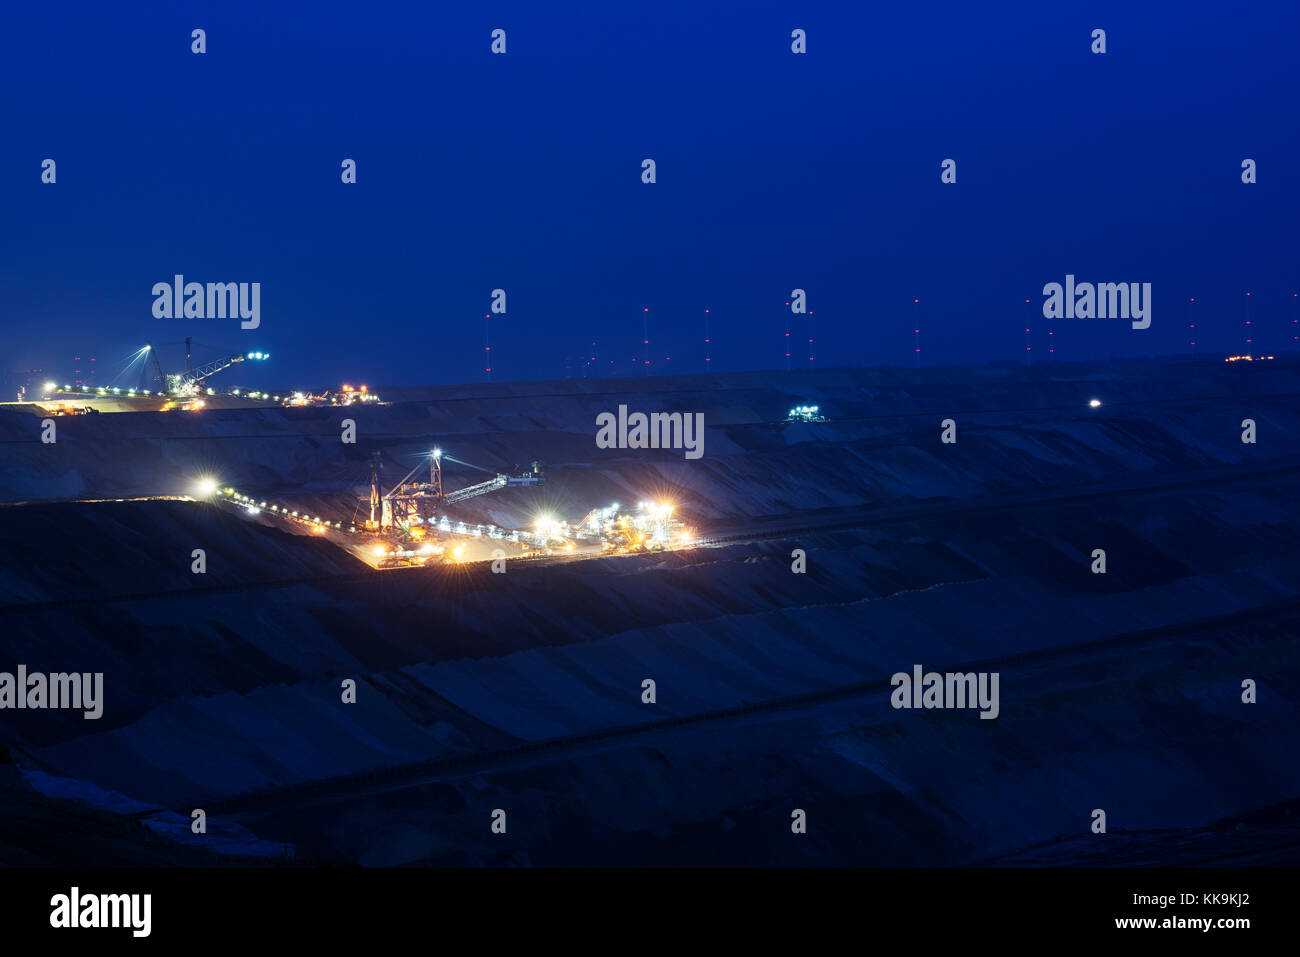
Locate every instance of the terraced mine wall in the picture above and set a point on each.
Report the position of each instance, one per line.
(524, 691)
(1019, 428)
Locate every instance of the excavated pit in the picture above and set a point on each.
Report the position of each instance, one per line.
(523, 691)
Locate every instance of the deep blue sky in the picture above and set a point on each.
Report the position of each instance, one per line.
(523, 172)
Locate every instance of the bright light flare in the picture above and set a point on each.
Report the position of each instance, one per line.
(205, 487)
(1094, 403)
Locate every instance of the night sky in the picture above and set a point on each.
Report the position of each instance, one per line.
(523, 172)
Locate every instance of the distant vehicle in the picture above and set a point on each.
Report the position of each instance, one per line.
(805, 413)
(66, 408)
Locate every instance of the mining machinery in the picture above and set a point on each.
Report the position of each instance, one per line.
(411, 509)
(189, 382)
